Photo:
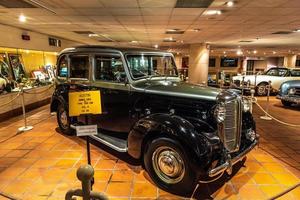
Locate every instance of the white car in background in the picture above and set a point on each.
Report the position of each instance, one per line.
(260, 82)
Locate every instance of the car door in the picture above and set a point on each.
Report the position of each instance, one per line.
(110, 78)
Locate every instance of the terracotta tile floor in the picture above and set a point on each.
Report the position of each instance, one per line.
(42, 163)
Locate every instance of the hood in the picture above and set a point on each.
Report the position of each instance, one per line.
(176, 88)
(294, 83)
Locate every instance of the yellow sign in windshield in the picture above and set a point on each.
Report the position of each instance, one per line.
(87, 102)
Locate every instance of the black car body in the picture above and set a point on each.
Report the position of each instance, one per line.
(289, 93)
(179, 131)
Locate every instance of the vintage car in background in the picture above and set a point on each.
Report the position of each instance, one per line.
(289, 93)
(181, 133)
(260, 82)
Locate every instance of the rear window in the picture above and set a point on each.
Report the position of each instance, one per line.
(62, 68)
(295, 73)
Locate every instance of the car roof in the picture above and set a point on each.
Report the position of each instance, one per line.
(123, 49)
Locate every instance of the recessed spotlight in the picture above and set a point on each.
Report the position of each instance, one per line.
(134, 41)
(274, 52)
(229, 3)
(213, 12)
(155, 46)
(196, 29)
(239, 52)
(93, 35)
(181, 41)
(254, 51)
(22, 18)
(224, 52)
(296, 30)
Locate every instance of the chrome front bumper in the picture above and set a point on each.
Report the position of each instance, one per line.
(230, 162)
(293, 99)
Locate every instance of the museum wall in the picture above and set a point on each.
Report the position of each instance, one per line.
(12, 37)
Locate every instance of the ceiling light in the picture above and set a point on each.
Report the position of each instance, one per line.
(229, 3)
(22, 18)
(173, 30)
(134, 41)
(156, 46)
(224, 52)
(93, 35)
(239, 52)
(274, 52)
(254, 51)
(297, 30)
(213, 12)
(196, 29)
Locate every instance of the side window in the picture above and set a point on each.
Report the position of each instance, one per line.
(62, 68)
(79, 66)
(109, 68)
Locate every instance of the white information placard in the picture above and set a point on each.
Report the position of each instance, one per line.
(86, 130)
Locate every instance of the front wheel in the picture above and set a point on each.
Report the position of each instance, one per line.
(63, 120)
(286, 103)
(167, 164)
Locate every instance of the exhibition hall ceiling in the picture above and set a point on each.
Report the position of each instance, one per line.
(166, 23)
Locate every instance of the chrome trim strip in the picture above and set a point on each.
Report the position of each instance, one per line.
(220, 169)
(292, 99)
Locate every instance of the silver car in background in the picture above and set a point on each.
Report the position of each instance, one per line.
(289, 93)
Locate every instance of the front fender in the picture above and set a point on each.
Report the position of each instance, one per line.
(196, 145)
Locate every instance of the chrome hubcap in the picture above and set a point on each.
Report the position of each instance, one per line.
(261, 89)
(168, 165)
(64, 118)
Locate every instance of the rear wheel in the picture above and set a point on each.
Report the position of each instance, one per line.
(63, 120)
(286, 103)
(167, 164)
(262, 89)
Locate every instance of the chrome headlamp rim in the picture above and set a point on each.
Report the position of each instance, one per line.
(220, 112)
(292, 91)
(246, 104)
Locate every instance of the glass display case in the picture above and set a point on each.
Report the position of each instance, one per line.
(30, 67)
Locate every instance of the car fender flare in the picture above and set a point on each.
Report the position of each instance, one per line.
(170, 126)
(55, 101)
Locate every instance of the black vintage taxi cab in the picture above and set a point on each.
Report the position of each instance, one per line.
(180, 132)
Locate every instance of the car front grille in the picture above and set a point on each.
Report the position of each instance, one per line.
(297, 91)
(232, 125)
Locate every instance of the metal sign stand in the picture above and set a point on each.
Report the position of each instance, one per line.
(88, 151)
(266, 117)
(25, 127)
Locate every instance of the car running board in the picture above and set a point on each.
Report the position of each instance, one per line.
(117, 144)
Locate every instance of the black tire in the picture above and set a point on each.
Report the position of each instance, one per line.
(286, 103)
(64, 120)
(183, 184)
(261, 89)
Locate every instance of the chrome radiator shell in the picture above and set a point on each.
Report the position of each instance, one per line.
(230, 129)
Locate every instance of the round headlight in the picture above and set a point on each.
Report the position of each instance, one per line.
(220, 113)
(292, 91)
(246, 104)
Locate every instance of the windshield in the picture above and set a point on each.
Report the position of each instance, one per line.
(141, 66)
(277, 72)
